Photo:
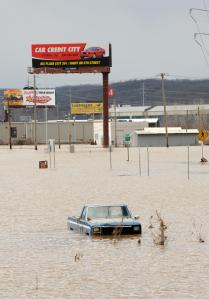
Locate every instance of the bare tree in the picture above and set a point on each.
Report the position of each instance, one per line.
(157, 227)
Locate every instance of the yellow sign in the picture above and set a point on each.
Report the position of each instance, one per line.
(202, 135)
(86, 108)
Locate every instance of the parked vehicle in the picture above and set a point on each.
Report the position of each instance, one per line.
(92, 52)
(105, 220)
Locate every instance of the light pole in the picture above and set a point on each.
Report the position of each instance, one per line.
(164, 105)
(35, 110)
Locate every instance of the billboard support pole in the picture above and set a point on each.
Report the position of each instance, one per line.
(46, 125)
(105, 110)
(35, 112)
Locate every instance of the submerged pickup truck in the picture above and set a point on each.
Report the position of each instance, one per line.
(105, 220)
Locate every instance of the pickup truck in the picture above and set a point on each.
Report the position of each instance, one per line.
(107, 219)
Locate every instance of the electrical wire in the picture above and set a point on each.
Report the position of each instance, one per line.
(202, 46)
(205, 7)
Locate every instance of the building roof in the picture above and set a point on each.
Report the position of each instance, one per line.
(179, 109)
(158, 110)
(147, 120)
(171, 130)
(128, 110)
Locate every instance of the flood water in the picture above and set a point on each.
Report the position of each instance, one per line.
(40, 258)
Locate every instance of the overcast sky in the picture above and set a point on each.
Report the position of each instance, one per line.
(148, 37)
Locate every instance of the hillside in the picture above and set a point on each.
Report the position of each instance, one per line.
(126, 93)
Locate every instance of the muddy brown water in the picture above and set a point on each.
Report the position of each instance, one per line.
(40, 258)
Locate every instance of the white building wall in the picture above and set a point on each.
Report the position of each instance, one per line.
(76, 132)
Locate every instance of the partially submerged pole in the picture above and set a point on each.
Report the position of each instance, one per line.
(127, 152)
(110, 150)
(139, 162)
(188, 161)
(148, 161)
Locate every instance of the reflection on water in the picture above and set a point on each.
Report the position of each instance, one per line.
(40, 258)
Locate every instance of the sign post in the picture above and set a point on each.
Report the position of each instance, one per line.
(51, 147)
(202, 136)
(127, 140)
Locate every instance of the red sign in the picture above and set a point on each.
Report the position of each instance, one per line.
(58, 51)
(111, 92)
(43, 164)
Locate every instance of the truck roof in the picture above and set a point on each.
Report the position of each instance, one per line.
(106, 205)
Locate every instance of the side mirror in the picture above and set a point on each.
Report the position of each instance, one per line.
(136, 217)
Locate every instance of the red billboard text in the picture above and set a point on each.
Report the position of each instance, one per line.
(58, 51)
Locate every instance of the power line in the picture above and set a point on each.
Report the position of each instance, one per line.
(202, 46)
(205, 6)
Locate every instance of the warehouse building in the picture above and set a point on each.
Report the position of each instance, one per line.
(157, 137)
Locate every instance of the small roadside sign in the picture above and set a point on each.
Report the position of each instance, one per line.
(127, 139)
(43, 164)
(202, 135)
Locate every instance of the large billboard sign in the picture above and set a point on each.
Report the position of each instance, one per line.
(86, 108)
(18, 98)
(70, 56)
(13, 98)
(44, 97)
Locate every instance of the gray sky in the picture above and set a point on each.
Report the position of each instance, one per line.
(148, 37)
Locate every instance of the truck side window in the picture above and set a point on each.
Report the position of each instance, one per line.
(125, 211)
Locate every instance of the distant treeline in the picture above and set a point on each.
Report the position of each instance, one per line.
(132, 92)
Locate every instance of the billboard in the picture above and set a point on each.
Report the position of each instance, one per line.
(87, 108)
(19, 98)
(13, 98)
(44, 97)
(70, 56)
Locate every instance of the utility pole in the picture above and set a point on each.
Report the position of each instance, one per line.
(35, 111)
(143, 93)
(164, 105)
(58, 126)
(115, 122)
(9, 122)
(70, 99)
(199, 123)
(69, 112)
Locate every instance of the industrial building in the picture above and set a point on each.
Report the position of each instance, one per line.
(186, 116)
(157, 137)
(144, 124)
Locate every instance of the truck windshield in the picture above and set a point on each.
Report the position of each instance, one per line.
(108, 212)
